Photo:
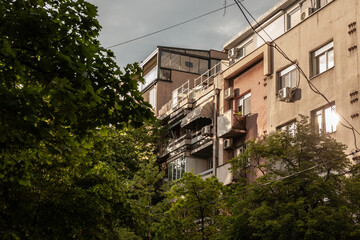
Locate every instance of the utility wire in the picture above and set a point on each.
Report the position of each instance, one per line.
(173, 26)
(271, 182)
(311, 85)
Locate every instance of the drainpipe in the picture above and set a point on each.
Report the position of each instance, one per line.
(215, 137)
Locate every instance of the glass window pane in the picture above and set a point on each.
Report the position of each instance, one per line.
(331, 58)
(204, 65)
(175, 61)
(294, 18)
(165, 74)
(322, 63)
(318, 120)
(328, 120)
(165, 59)
(293, 79)
(195, 65)
(287, 80)
(170, 171)
(247, 106)
(182, 166)
(178, 169)
(184, 63)
(152, 95)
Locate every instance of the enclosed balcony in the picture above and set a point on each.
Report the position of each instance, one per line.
(231, 124)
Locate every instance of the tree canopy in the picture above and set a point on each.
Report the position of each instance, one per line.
(71, 148)
(303, 193)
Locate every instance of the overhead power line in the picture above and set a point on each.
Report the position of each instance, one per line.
(273, 181)
(301, 71)
(172, 26)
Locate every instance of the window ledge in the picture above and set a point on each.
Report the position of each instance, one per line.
(312, 77)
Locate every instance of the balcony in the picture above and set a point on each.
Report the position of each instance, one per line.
(200, 116)
(231, 125)
(201, 144)
(174, 147)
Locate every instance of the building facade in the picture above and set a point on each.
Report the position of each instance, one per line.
(268, 78)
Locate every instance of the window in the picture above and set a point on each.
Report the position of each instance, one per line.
(289, 126)
(325, 119)
(176, 169)
(240, 151)
(244, 104)
(152, 97)
(244, 49)
(321, 3)
(182, 62)
(288, 77)
(293, 18)
(323, 59)
(149, 77)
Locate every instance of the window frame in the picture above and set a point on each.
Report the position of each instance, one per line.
(242, 48)
(323, 51)
(243, 98)
(291, 14)
(323, 112)
(288, 126)
(152, 97)
(287, 71)
(173, 168)
(241, 150)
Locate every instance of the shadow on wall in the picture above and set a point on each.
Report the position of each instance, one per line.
(251, 126)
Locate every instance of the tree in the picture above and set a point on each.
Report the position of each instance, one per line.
(302, 194)
(68, 153)
(190, 209)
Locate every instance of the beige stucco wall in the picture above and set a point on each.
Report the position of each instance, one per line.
(329, 23)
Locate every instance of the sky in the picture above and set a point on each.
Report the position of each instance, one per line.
(123, 20)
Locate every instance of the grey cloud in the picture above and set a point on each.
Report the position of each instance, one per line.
(123, 20)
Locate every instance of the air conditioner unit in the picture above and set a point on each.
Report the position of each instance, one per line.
(206, 131)
(285, 94)
(241, 53)
(228, 143)
(229, 93)
(311, 11)
(232, 53)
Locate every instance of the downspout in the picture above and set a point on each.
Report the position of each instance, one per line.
(215, 137)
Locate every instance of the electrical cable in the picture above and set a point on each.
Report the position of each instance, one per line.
(273, 181)
(172, 26)
(311, 85)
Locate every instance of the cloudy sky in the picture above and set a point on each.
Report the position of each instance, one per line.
(123, 20)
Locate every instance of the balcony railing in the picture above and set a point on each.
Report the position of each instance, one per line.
(202, 82)
(206, 79)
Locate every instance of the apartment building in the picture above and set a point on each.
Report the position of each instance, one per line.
(212, 116)
(179, 84)
(324, 45)
(167, 68)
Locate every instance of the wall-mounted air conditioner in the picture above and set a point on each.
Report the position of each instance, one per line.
(285, 94)
(232, 53)
(228, 143)
(206, 131)
(241, 53)
(229, 93)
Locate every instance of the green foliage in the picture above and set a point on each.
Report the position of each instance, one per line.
(99, 193)
(311, 204)
(71, 148)
(188, 211)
